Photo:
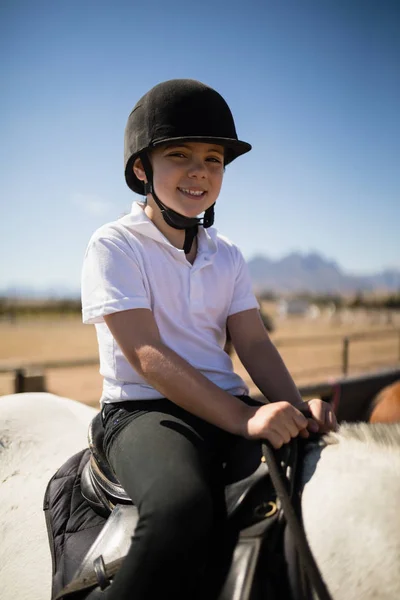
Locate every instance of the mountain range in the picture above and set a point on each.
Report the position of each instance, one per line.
(294, 273)
(312, 273)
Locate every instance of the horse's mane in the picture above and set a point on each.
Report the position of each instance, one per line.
(380, 434)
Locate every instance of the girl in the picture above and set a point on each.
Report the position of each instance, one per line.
(162, 286)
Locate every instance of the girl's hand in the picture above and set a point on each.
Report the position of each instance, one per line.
(322, 414)
(277, 422)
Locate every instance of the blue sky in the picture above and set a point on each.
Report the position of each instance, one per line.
(314, 86)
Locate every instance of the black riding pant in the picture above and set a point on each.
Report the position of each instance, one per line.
(174, 467)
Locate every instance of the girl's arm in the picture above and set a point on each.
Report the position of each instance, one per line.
(137, 335)
(266, 368)
(260, 358)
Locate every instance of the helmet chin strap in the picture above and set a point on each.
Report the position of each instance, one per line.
(173, 218)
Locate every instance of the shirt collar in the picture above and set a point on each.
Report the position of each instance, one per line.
(138, 221)
(207, 241)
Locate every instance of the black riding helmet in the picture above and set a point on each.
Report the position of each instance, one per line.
(178, 110)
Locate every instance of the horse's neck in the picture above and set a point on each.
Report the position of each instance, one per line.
(350, 513)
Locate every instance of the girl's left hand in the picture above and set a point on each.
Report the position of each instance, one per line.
(323, 414)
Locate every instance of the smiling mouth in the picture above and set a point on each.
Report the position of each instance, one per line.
(192, 193)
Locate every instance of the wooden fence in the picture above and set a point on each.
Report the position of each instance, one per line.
(345, 342)
(31, 376)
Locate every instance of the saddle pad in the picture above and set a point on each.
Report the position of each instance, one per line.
(72, 525)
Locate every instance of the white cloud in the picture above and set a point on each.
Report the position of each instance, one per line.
(91, 204)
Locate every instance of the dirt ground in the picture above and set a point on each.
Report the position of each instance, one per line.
(44, 339)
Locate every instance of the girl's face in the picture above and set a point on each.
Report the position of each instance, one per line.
(187, 176)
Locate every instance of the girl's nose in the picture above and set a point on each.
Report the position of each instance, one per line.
(197, 168)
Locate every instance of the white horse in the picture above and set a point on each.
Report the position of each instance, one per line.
(351, 511)
(38, 433)
(350, 501)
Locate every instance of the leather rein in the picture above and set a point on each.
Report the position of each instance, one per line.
(299, 537)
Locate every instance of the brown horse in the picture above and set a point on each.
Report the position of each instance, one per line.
(386, 405)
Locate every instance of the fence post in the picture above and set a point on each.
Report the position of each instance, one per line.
(29, 380)
(19, 381)
(345, 355)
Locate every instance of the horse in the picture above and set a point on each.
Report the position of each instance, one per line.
(349, 480)
(38, 433)
(385, 407)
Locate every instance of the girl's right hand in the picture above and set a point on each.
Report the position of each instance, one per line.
(277, 422)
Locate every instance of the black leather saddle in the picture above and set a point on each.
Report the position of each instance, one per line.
(103, 492)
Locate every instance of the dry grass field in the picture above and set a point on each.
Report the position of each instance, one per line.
(45, 339)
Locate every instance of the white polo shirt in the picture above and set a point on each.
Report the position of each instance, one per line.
(130, 264)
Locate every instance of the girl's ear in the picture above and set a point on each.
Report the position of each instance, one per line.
(139, 171)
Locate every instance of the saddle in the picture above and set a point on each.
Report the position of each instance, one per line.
(252, 505)
(103, 492)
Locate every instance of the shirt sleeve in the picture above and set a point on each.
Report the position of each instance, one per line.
(243, 296)
(112, 280)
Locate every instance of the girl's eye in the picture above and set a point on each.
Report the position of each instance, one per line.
(180, 154)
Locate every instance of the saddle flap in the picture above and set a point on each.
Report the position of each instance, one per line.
(114, 540)
(237, 492)
(252, 498)
(113, 544)
(239, 581)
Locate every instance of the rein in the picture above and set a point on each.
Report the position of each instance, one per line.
(299, 538)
